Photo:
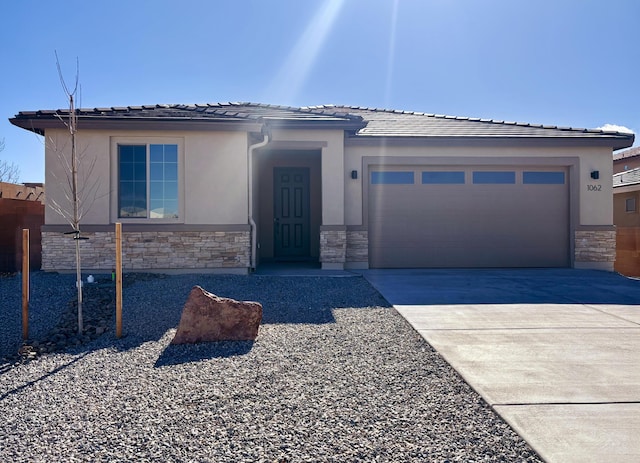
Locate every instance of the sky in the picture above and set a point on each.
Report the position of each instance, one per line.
(558, 62)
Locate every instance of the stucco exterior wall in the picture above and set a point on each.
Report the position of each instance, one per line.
(595, 194)
(212, 174)
(92, 147)
(332, 167)
(216, 178)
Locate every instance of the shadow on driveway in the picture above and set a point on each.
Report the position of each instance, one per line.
(500, 286)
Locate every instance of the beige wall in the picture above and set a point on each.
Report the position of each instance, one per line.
(333, 172)
(92, 147)
(589, 206)
(215, 170)
(216, 178)
(595, 195)
(213, 174)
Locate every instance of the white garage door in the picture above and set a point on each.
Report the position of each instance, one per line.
(468, 217)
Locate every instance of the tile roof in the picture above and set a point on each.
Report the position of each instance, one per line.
(626, 154)
(627, 178)
(217, 111)
(361, 122)
(394, 123)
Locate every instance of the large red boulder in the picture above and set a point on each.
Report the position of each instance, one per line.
(207, 317)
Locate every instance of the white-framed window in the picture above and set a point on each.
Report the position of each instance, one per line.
(630, 205)
(147, 174)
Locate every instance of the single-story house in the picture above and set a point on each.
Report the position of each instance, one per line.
(626, 217)
(226, 187)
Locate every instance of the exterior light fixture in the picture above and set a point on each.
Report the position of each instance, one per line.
(354, 174)
(595, 174)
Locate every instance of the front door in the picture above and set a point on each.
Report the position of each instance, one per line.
(291, 213)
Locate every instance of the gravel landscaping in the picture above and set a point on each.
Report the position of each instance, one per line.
(335, 375)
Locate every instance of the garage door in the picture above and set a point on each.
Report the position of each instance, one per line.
(468, 217)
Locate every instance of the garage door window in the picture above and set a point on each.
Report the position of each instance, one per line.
(392, 178)
(543, 178)
(447, 178)
(500, 177)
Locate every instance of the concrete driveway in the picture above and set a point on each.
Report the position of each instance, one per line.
(556, 352)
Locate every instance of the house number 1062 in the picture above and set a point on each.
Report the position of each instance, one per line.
(594, 187)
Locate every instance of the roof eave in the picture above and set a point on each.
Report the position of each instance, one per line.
(626, 188)
(39, 125)
(614, 141)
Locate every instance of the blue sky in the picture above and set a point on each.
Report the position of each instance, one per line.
(559, 62)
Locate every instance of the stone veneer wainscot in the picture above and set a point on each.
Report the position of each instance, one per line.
(147, 250)
(595, 245)
(333, 244)
(358, 247)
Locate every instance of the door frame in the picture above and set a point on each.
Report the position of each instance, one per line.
(305, 204)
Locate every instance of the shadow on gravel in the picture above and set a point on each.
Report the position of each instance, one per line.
(178, 354)
(152, 305)
(35, 381)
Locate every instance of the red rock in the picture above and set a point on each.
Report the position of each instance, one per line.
(207, 318)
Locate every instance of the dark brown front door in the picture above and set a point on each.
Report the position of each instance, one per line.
(291, 213)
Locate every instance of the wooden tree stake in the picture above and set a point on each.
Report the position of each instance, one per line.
(25, 284)
(118, 280)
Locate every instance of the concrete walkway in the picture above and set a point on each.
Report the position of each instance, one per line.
(555, 352)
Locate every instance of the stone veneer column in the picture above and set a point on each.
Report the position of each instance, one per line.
(595, 247)
(357, 249)
(333, 246)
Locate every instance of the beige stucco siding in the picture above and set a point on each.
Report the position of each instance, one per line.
(596, 206)
(216, 178)
(92, 147)
(212, 174)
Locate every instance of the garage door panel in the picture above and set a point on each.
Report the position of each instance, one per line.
(469, 225)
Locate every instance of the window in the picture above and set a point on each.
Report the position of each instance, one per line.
(630, 205)
(148, 181)
(443, 177)
(498, 177)
(543, 178)
(392, 178)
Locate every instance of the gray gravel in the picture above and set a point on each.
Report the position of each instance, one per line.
(335, 375)
(50, 295)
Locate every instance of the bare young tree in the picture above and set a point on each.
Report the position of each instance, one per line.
(79, 192)
(9, 172)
